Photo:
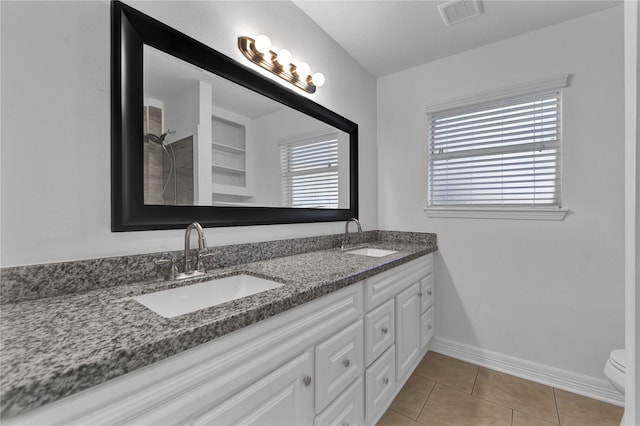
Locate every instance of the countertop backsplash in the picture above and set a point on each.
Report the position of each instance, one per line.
(31, 282)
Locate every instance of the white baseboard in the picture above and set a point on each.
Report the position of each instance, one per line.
(580, 384)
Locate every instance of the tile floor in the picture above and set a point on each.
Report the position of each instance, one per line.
(445, 391)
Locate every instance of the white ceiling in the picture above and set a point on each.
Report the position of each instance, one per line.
(388, 36)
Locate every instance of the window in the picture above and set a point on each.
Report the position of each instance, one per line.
(499, 154)
(310, 172)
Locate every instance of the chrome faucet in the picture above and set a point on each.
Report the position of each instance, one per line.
(345, 240)
(192, 267)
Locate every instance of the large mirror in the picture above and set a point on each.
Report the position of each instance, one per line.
(198, 137)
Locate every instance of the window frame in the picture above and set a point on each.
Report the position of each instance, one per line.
(554, 83)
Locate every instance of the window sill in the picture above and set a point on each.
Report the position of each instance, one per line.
(517, 213)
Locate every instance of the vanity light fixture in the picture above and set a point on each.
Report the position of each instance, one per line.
(259, 52)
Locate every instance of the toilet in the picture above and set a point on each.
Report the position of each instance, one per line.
(614, 369)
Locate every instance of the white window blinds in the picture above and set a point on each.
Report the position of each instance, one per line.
(310, 172)
(498, 153)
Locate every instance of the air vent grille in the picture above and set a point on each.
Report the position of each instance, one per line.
(455, 11)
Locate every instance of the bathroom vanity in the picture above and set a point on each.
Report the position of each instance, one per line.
(330, 342)
(333, 345)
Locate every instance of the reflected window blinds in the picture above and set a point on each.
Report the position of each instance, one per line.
(310, 172)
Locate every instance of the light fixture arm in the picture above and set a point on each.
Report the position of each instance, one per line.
(269, 61)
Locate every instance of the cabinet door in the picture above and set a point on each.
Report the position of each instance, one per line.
(407, 330)
(284, 397)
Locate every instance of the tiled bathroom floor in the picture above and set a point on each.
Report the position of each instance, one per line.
(445, 391)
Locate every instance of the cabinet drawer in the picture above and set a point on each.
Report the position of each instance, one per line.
(380, 384)
(382, 287)
(339, 360)
(379, 331)
(427, 291)
(426, 327)
(282, 397)
(347, 409)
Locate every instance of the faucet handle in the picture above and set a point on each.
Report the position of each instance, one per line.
(173, 268)
(205, 254)
(201, 254)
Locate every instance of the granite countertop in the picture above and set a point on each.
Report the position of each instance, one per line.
(56, 346)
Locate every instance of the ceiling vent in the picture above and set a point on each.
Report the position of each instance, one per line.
(455, 11)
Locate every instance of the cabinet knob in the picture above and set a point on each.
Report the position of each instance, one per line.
(346, 363)
(429, 293)
(306, 381)
(420, 294)
(385, 381)
(384, 330)
(429, 326)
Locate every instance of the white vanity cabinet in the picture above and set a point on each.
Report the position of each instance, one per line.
(261, 374)
(398, 327)
(338, 360)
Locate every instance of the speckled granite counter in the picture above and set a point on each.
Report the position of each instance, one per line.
(56, 346)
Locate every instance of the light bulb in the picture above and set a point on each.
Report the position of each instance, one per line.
(284, 57)
(318, 79)
(262, 43)
(302, 70)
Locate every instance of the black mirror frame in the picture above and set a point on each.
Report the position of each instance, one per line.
(130, 29)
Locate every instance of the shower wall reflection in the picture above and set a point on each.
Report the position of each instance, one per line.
(153, 157)
(168, 166)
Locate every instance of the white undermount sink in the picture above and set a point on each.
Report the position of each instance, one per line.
(372, 252)
(183, 300)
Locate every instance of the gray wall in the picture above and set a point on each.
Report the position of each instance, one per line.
(539, 291)
(55, 202)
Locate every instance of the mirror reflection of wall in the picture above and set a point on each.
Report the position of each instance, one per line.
(224, 145)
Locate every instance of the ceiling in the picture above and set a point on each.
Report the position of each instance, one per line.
(386, 36)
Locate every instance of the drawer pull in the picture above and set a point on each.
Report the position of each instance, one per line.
(306, 381)
(429, 293)
(384, 330)
(346, 363)
(385, 381)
